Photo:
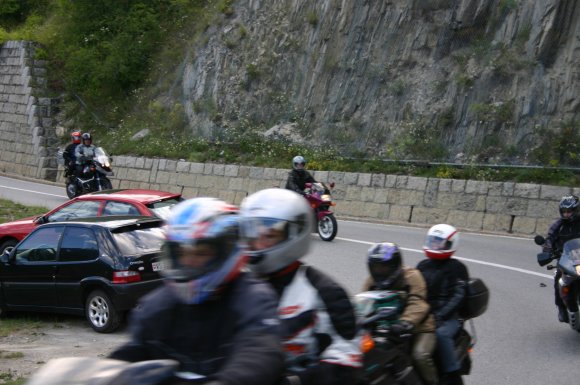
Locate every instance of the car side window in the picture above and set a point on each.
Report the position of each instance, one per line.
(78, 244)
(40, 246)
(80, 209)
(120, 208)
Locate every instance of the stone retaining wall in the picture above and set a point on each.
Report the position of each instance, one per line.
(27, 136)
(501, 207)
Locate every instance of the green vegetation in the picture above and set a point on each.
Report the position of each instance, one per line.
(10, 378)
(11, 211)
(117, 62)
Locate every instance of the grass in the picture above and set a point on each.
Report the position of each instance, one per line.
(20, 324)
(11, 211)
(8, 378)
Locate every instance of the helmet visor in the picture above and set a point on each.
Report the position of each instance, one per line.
(265, 233)
(434, 242)
(381, 271)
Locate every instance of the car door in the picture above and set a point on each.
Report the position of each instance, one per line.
(78, 259)
(28, 278)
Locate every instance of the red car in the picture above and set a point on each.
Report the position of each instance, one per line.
(151, 203)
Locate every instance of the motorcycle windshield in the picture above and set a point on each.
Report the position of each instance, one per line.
(570, 258)
(101, 156)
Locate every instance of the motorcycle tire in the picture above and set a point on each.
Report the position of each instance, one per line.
(72, 190)
(327, 228)
(106, 184)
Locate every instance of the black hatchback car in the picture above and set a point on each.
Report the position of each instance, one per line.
(98, 267)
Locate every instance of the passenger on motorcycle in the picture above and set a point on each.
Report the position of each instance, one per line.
(69, 152)
(85, 152)
(565, 228)
(446, 280)
(210, 315)
(319, 329)
(385, 264)
(298, 176)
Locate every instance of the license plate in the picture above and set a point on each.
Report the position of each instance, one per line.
(158, 266)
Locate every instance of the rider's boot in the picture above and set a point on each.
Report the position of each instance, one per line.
(453, 378)
(563, 314)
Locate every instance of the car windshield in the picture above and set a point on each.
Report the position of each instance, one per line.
(163, 208)
(140, 241)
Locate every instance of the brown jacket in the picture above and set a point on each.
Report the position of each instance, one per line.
(417, 310)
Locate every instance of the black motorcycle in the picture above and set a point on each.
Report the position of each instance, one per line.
(93, 176)
(387, 355)
(568, 262)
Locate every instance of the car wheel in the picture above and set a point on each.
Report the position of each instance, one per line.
(8, 244)
(101, 313)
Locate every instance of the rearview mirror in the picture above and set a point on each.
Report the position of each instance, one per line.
(331, 185)
(5, 256)
(39, 220)
(544, 258)
(539, 240)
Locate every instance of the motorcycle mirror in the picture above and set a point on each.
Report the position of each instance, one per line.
(331, 185)
(539, 240)
(544, 258)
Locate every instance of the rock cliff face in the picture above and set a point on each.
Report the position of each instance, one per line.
(360, 73)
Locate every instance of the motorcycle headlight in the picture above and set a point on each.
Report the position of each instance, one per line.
(577, 269)
(106, 164)
(326, 198)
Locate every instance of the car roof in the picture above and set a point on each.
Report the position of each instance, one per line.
(113, 222)
(143, 196)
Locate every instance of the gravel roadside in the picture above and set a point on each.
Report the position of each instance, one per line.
(24, 351)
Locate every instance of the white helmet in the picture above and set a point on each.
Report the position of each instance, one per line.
(278, 224)
(298, 160)
(441, 242)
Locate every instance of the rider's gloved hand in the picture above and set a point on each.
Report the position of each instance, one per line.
(401, 327)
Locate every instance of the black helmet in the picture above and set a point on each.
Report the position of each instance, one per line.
(569, 208)
(385, 264)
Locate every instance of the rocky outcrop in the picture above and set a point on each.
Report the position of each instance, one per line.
(360, 74)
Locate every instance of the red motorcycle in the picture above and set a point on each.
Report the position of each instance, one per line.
(320, 199)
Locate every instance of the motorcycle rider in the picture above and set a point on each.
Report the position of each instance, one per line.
(565, 228)
(446, 280)
(210, 315)
(298, 176)
(319, 329)
(84, 152)
(385, 265)
(69, 152)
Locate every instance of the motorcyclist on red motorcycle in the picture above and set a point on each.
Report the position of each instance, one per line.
(298, 176)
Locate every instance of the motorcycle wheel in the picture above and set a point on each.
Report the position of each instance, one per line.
(327, 228)
(71, 190)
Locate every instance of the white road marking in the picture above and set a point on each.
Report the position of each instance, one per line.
(32, 191)
(464, 259)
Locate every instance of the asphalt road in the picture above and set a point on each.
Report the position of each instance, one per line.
(520, 341)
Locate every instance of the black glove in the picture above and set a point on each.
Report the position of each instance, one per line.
(401, 327)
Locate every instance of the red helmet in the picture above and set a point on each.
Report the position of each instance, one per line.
(441, 242)
(76, 137)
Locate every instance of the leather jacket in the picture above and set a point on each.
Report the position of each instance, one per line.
(446, 286)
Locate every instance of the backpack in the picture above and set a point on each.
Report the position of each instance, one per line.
(476, 299)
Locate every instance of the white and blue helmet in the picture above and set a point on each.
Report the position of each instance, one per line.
(202, 221)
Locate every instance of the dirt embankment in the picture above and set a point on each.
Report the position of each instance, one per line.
(23, 352)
